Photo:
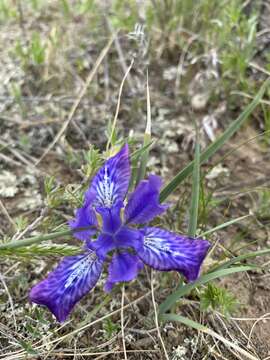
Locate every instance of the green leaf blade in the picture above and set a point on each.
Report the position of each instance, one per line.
(195, 325)
(194, 206)
(174, 297)
(224, 225)
(147, 136)
(239, 258)
(216, 145)
(184, 320)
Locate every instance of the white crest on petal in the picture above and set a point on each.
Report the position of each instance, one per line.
(106, 189)
(78, 269)
(156, 243)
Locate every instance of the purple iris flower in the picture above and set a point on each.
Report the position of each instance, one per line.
(130, 247)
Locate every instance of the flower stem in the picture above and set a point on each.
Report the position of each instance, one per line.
(39, 238)
(34, 240)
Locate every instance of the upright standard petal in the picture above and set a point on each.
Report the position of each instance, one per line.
(111, 219)
(85, 217)
(143, 204)
(164, 250)
(110, 184)
(123, 267)
(74, 277)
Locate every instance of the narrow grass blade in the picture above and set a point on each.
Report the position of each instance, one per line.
(147, 136)
(239, 258)
(222, 226)
(204, 329)
(183, 320)
(138, 153)
(135, 156)
(216, 145)
(174, 297)
(193, 214)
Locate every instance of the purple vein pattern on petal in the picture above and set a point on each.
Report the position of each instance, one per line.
(110, 184)
(164, 251)
(123, 267)
(74, 277)
(143, 204)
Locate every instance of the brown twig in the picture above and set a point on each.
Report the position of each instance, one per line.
(122, 59)
(21, 354)
(5, 212)
(156, 317)
(118, 105)
(122, 322)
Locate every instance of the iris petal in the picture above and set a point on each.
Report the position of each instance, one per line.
(143, 204)
(110, 184)
(74, 277)
(111, 220)
(84, 217)
(123, 267)
(164, 250)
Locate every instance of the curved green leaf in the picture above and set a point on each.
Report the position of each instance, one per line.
(174, 297)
